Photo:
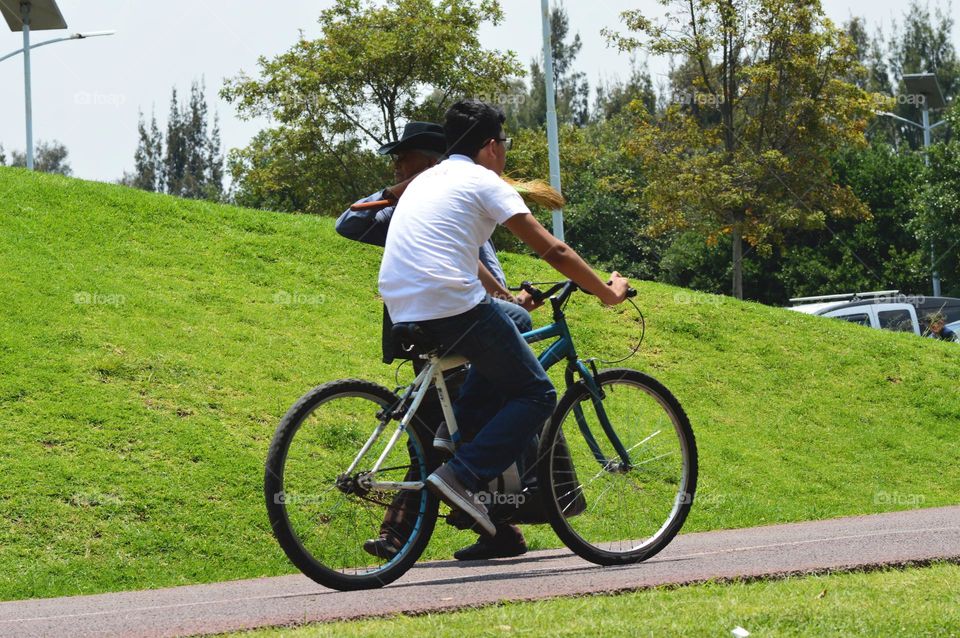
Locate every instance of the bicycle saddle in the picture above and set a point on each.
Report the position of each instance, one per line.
(412, 339)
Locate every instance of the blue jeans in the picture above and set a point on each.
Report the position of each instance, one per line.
(517, 314)
(506, 396)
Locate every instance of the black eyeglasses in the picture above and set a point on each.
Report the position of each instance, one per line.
(506, 141)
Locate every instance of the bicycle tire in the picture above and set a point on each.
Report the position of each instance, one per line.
(320, 527)
(644, 520)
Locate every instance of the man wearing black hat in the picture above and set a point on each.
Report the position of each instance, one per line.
(421, 146)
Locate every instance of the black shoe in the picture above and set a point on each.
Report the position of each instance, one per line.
(503, 545)
(380, 547)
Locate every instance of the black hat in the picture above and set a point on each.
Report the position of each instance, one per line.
(418, 136)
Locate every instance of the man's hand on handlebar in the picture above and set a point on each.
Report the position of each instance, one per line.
(619, 285)
(526, 301)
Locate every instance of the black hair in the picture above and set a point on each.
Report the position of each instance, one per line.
(469, 124)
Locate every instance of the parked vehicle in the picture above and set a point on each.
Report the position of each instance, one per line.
(884, 309)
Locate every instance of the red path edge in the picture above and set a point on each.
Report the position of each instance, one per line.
(859, 542)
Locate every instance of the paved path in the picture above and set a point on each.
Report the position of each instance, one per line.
(843, 543)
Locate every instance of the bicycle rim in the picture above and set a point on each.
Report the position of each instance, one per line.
(607, 510)
(322, 516)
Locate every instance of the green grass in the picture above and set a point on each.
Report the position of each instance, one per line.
(911, 602)
(145, 360)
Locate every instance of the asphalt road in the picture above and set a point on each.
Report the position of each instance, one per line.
(775, 550)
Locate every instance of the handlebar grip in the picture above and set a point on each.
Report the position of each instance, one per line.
(527, 287)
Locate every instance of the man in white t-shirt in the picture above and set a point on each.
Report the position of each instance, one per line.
(428, 276)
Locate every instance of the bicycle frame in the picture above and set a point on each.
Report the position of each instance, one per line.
(432, 374)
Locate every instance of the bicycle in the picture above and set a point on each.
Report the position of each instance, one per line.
(616, 465)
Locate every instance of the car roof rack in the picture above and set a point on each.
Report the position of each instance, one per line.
(853, 296)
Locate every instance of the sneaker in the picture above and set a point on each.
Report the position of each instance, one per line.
(507, 543)
(443, 441)
(381, 547)
(448, 488)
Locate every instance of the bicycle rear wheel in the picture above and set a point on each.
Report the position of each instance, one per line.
(607, 509)
(320, 515)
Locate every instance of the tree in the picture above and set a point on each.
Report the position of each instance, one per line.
(148, 159)
(571, 87)
(772, 72)
(614, 97)
(188, 161)
(937, 222)
(48, 157)
(335, 97)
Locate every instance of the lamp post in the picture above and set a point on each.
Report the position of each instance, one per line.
(553, 138)
(35, 15)
(925, 85)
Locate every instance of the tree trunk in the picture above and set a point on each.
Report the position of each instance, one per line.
(737, 262)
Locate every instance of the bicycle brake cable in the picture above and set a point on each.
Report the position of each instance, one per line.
(636, 348)
(396, 373)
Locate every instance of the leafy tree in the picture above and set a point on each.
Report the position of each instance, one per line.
(612, 98)
(335, 97)
(603, 218)
(881, 252)
(938, 208)
(48, 157)
(3, 156)
(772, 72)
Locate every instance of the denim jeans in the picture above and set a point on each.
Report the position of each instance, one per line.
(517, 314)
(506, 396)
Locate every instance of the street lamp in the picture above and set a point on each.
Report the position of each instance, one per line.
(924, 85)
(35, 15)
(553, 138)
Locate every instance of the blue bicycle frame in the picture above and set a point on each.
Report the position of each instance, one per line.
(563, 349)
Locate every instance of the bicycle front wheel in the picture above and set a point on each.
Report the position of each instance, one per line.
(620, 469)
(321, 514)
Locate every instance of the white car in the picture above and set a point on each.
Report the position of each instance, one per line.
(872, 309)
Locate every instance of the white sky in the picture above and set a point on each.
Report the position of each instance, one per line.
(87, 93)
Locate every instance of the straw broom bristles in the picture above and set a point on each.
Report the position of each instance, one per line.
(537, 192)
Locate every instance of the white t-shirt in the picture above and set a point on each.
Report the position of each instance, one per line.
(429, 267)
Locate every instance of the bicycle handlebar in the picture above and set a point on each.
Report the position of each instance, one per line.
(569, 288)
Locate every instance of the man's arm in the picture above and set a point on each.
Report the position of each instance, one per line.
(370, 225)
(493, 287)
(367, 225)
(564, 259)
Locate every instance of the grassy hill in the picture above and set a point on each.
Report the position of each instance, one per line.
(149, 345)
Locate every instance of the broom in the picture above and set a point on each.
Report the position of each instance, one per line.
(537, 192)
(533, 191)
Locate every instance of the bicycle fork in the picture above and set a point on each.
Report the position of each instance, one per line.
(596, 398)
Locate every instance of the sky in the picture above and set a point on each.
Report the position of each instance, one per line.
(88, 93)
